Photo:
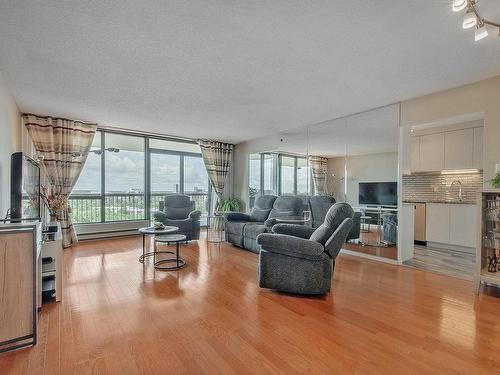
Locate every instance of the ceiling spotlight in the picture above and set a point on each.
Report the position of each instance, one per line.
(470, 19)
(459, 5)
(481, 32)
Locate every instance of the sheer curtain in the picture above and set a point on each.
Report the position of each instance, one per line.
(64, 145)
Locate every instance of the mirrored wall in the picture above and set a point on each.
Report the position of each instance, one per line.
(353, 159)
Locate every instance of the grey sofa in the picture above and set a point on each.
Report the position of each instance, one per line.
(242, 230)
(300, 259)
(179, 211)
(319, 206)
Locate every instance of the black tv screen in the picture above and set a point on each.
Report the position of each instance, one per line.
(24, 188)
(378, 193)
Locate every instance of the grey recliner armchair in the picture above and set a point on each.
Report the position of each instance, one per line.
(300, 259)
(179, 211)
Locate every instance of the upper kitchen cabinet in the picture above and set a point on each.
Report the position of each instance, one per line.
(477, 156)
(432, 152)
(415, 154)
(446, 150)
(458, 147)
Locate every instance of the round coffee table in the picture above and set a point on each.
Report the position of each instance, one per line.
(168, 239)
(151, 231)
(291, 220)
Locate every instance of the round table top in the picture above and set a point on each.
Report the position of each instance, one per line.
(171, 238)
(153, 230)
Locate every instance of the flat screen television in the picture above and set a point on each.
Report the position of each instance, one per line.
(378, 193)
(24, 188)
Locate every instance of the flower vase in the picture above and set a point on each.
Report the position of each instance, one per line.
(53, 218)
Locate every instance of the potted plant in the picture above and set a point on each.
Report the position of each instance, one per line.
(495, 182)
(228, 205)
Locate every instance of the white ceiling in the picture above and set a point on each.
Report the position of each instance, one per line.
(233, 70)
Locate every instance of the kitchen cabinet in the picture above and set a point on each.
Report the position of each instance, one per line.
(463, 224)
(455, 149)
(458, 149)
(453, 224)
(432, 152)
(477, 153)
(415, 154)
(437, 223)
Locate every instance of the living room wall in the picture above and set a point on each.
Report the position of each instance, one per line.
(381, 167)
(10, 141)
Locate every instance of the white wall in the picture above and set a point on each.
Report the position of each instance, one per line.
(10, 141)
(381, 167)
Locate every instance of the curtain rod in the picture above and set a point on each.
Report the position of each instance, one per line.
(59, 118)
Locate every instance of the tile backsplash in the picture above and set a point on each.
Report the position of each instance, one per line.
(436, 187)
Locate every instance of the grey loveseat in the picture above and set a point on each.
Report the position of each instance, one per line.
(179, 211)
(300, 259)
(242, 230)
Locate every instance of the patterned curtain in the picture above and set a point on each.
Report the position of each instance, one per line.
(319, 173)
(217, 157)
(64, 146)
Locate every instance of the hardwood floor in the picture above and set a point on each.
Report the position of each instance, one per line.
(121, 317)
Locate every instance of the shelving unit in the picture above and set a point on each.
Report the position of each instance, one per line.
(488, 239)
(51, 275)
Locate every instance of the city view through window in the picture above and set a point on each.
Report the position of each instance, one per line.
(112, 185)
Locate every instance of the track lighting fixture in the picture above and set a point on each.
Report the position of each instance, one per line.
(459, 5)
(481, 32)
(472, 19)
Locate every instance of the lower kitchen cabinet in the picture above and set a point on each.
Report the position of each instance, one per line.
(452, 224)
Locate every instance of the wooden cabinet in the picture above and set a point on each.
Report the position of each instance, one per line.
(477, 153)
(437, 222)
(19, 265)
(432, 152)
(458, 149)
(453, 224)
(463, 224)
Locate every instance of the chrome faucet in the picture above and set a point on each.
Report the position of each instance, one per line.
(460, 195)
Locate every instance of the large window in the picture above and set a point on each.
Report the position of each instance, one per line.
(124, 177)
(274, 173)
(113, 185)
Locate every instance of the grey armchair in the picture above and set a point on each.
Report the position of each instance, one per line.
(299, 259)
(179, 210)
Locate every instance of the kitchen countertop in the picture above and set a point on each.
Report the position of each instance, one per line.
(441, 201)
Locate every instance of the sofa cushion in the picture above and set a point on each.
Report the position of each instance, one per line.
(262, 207)
(286, 205)
(235, 227)
(259, 215)
(177, 212)
(252, 230)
